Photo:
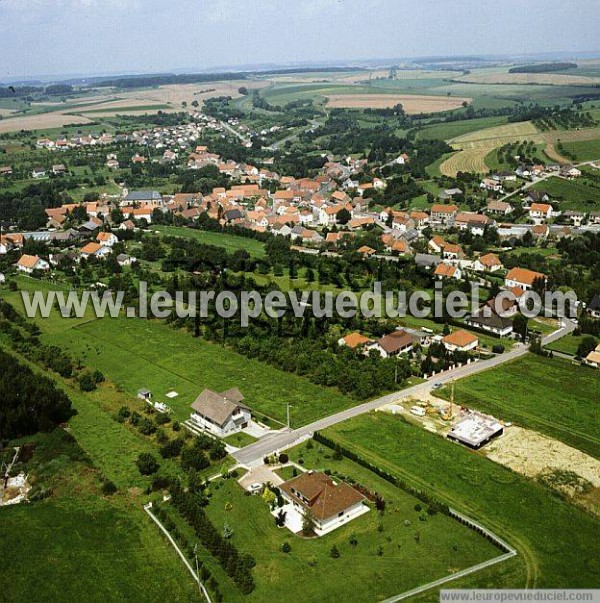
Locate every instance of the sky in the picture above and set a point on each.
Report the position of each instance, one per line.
(56, 37)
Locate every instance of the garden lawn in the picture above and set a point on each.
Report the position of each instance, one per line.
(567, 344)
(558, 544)
(228, 241)
(308, 573)
(551, 396)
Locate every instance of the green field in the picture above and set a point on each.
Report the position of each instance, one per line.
(80, 545)
(573, 194)
(136, 353)
(558, 544)
(70, 550)
(551, 396)
(359, 574)
(450, 130)
(567, 344)
(585, 150)
(228, 241)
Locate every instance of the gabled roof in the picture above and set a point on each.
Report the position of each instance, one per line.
(490, 259)
(91, 248)
(143, 196)
(522, 275)
(218, 407)
(594, 305)
(445, 270)
(28, 261)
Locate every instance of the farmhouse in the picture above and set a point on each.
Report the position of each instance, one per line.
(499, 207)
(107, 238)
(568, 171)
(29, 263)
(143, 197)
(593, 308)
(593, 358)
(221, 414)
(460, 341)
(329, 502)
(95, 250)
(487, 320)
(540, 212)
(522, 278)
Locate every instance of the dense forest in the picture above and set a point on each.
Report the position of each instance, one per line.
(28, 402)
(543, 68)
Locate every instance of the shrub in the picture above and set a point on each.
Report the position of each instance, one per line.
(147, 464)
(334, 553)
(162, 418)
(108, 488)
(284, 458)
(87, 383)
(286, 547)
(123, 414)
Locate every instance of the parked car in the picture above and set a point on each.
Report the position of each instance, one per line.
(254, 488)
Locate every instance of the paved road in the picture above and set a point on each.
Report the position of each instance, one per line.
(314, 124)
(281, 440)
(233, 131)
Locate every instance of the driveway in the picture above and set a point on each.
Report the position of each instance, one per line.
(260, 474)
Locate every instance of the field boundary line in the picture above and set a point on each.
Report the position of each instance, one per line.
(179, 551)
(510, 552)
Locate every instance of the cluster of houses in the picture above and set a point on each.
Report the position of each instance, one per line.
(403, 340)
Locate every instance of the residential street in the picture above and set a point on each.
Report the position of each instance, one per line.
(253, 454)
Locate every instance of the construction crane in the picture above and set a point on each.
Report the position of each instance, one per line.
(449, 414)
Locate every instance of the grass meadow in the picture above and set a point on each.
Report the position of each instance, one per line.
(533, 519)
(228, 241)
(78, 544)
(551, 396)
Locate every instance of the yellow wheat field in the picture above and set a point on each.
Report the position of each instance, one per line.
(475, 146)
(412, 104)
(547, 79)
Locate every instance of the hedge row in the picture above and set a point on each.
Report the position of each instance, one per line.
(237, 566)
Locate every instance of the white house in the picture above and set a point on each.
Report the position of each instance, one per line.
(540, 212)
(29, 263)
(95, 250)
(107, 238)
(522, 278)
(330, 502)
(460, 341)
(221, 414)
(489, 262)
